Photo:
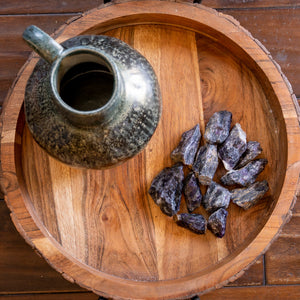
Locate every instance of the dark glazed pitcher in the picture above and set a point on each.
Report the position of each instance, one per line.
(92, 101)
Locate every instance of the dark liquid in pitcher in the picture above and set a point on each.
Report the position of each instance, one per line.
(88, 86)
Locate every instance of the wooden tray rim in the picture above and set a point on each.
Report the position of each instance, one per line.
(105, 284)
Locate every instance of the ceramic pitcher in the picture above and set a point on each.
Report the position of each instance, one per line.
(92, 101)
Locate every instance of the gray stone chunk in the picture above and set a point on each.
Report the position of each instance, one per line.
(194, 222)
(187, 148)
(217, 222)
(218, 127)
(252, 151)
(166, 189)
(216, 197)
(246, 175)
(233, 147)
(206, 163)
(248, 197)
(192, 192)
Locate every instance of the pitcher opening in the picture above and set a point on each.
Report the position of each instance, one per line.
(87, 86)
(84, 81)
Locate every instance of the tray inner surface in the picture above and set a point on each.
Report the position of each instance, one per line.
(106, 219)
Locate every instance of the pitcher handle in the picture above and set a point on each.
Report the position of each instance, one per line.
(42, 43)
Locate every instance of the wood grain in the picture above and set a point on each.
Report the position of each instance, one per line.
(248, 293)
(11, 38)
(237, 4)
(37, 276)
(61, 179)
(254, 276)
(15, 7)
(56, 296)
(296, 209)
(260, 293)
(68, 6)
(10, 66)
(122, 219)
(13, 50)
(21, 269)
(282, 261)
(71, 219)
(291, 229)
(275, 28)
(284, 46)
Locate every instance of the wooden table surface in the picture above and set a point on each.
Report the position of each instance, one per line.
(275, 275)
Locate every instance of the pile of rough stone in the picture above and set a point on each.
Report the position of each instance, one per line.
(238, 157)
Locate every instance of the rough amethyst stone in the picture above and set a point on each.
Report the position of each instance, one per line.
(206, 163)
(217, 222)
(252, 151)
(216, 197)
(166, 189)
(233, 147)
(192, 192)
(248, 197)
(187, 148)
(194, 222)
(246, 175)
(218, 127)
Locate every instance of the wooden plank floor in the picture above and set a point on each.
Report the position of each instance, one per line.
(275, 275)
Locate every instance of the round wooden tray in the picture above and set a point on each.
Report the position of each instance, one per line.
(101, 229)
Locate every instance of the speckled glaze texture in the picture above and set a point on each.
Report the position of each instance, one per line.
(115, 136)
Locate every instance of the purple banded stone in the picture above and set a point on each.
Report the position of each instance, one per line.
(217, 222)
(233, 148)
(194, 222)
(192, 192)
(206, 163)
(166, 189)
(216, 197)
(218, 127)
(246, 175)
(187, 148)
(248, 197)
